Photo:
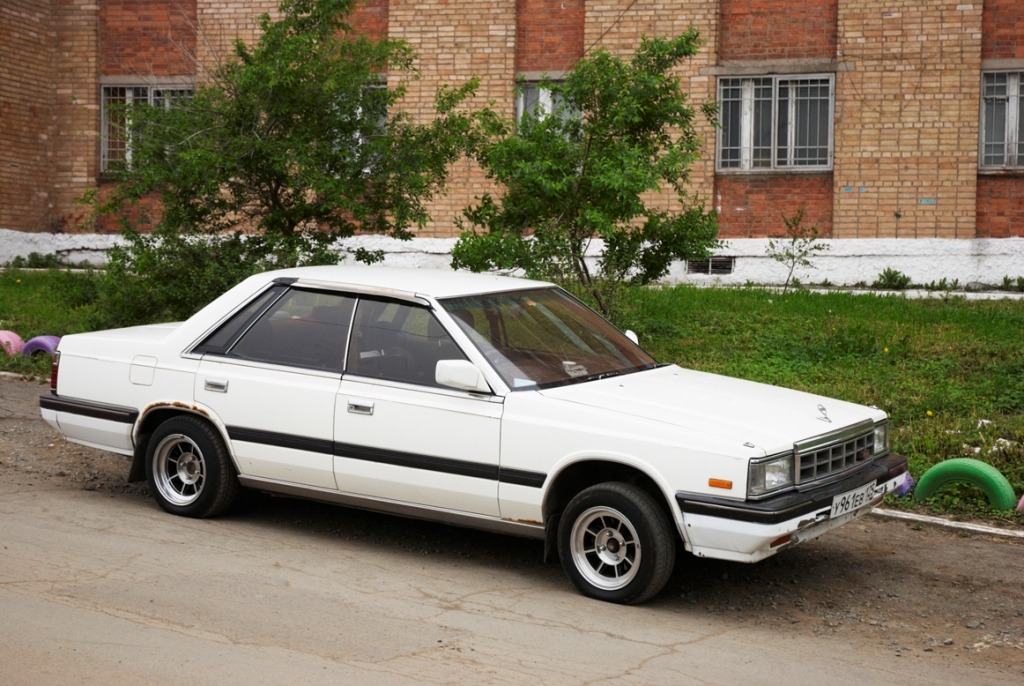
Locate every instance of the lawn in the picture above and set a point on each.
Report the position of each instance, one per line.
(949, 371)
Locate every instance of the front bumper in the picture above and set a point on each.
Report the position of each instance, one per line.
(750, 531)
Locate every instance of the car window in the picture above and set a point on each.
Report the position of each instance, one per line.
(302, 328)
(227, 333)
(545, 337)
(398, 342)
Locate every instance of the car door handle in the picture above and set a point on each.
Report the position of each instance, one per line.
(357, 407)
(216, 385)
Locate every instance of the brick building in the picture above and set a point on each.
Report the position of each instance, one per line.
(881, 118)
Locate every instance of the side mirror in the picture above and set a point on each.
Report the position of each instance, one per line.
(631, 335)
(461, 374)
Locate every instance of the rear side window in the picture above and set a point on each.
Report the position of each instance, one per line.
(298, 328)
(228, 332)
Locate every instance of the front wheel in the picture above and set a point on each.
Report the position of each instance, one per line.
(189, 470)
(616, 544)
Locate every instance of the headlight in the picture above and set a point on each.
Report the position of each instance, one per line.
(770, 474)
(881, 438)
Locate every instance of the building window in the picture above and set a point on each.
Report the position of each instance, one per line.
(116, 139)
(1002, 120)
(775, 123)
(536, 99)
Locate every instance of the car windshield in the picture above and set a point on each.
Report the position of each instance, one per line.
(544, 337)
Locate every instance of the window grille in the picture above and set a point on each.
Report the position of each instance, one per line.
(715, 266)
(117, 101)
(772, 123)
(1002, 120)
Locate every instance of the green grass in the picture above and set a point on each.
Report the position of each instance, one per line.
(44, 303)
(950, 372)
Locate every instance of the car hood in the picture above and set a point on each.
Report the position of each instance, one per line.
(770, 418)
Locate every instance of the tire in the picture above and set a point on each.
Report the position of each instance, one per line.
(616, 544)
(11, 343)
(41, 345)
(967, 470)
(189, 470)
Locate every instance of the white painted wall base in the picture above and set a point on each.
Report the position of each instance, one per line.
(846, 263)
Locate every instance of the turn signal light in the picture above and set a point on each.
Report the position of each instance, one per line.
(720, 483)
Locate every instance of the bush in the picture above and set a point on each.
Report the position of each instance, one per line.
(34, 261)
(168, 276)
(892, 280)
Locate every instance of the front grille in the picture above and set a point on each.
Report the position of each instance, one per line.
(831, 455)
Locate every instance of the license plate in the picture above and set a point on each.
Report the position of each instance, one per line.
(852, 500)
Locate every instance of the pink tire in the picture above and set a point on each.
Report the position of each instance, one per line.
(41, 345)
(1020, 505)
(11, 342)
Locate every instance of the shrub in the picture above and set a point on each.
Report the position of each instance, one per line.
(892, 280)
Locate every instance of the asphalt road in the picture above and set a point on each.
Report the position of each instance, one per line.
(105, 589)
(100, 586)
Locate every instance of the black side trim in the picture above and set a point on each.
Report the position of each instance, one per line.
(430, 463)
(313, 445)
(85, 408)
(415, 461)
(792, 504)
(521, 477)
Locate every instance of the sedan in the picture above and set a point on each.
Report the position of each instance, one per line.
(476, 400)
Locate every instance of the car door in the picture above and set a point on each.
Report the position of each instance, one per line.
(399, 436)
(271, 374)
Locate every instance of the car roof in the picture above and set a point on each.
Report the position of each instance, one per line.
(435, 283)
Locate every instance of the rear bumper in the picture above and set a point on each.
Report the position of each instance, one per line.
(96, 425)
(752, 531)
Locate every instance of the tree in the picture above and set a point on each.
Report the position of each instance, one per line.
(797, 247)
(297, 139)
(618, 130)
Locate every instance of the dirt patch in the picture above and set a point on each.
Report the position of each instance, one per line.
(913, 589)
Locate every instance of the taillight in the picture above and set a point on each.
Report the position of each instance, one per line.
(53, 372)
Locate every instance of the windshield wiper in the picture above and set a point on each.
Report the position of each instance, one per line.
(603, 375)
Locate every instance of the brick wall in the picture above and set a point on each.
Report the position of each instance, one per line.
(142, 39)
(774, 31)
(370, 18)
(26, 117)
(907, 82)
(75, 144)
(1001, 197)
(454, 40)
(222, 21)
(617, 26)
(549, 34)
(753, 205)
(1003, 28)
(1000, 206)
(151, 37)
(777, 29)
(907, 118)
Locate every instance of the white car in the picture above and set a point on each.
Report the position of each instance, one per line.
(476, 400)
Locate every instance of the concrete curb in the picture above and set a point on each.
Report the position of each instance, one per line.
(938, 521)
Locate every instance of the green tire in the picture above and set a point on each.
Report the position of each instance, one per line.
(971, 471)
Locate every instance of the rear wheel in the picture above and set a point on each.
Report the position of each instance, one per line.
(616, 544)
(189, 470)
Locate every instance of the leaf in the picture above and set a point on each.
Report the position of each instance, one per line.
(586, 170)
